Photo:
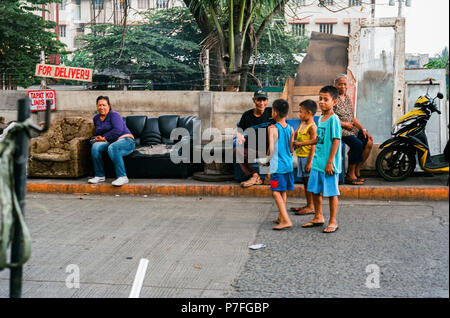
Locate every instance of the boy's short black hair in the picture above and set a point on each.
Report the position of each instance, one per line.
(281, 106)
(310, 105)
(330, 90)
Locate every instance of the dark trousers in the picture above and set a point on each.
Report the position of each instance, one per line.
(356, 145)
(246, 167)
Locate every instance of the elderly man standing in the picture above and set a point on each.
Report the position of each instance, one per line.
(258, 117)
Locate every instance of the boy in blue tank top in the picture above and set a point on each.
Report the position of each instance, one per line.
(326, 164)
(281, 149)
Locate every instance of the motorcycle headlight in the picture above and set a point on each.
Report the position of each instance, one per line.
(400, 126)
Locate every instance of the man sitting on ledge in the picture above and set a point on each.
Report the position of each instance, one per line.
(260, 115)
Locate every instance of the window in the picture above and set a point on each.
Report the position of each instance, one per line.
(348, 28)
(76, 11)
(300, 2)
(80, 28)
(162, 4)
(143, 4)
(63, 4)
(326, 28)
(62, 31)
(323, 3)
(78, 2)
(98, 4)
(298, 29)
(353, 3)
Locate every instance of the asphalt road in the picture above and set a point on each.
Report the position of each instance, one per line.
(198, 247)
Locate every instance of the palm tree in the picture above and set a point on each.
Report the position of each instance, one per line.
(231, 30)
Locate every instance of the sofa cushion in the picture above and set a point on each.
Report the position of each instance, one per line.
(136, 124)
(151, 134)
(187, 122)
(167, 123)
(57, 155)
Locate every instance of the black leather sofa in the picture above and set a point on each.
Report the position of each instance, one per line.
(152, 131)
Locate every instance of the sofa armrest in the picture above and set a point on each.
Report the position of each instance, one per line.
(79, 148)
(39, 145)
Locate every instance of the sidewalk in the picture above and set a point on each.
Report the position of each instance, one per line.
(420, 186)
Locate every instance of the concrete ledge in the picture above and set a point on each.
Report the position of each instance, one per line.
(234, 190)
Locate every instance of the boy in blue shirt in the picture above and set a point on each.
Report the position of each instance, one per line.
(281, 148)
(326, 164)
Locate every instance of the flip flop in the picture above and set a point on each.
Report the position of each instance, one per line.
(296, 209)
(331, 227)
(360, 179)
(354, 181)
(312, 224)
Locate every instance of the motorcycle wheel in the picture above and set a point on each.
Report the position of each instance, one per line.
(395, 163)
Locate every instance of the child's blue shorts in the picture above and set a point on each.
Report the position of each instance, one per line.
(321, 182)
(301, 163)
(282, 181)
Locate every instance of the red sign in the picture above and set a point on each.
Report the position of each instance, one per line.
(64, 72)
(39, 97)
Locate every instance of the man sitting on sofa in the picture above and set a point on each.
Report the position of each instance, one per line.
(259, 116)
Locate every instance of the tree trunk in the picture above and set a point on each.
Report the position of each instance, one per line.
(217, 69)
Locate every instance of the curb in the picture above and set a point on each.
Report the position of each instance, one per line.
(347, 192)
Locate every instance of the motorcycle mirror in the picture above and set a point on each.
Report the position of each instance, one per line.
(440, 95)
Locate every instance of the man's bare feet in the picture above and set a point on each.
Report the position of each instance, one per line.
(299, 208)
(282, 226)
(305, 211)
(314, 222)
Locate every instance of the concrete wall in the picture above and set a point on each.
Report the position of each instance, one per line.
(216, 109)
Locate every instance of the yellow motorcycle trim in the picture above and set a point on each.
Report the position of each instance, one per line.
(422, 99)
(413, 113)
(406, 132)
(423, 160)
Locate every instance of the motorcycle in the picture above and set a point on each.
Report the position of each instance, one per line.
(397, 160)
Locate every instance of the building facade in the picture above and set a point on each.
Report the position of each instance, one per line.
(302, 16)
(73, 16)
(327, 16)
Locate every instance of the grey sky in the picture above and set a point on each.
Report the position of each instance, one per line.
(427, 24)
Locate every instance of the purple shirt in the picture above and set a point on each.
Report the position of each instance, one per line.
(112, 127)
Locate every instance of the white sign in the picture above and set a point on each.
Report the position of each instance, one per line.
(38, 99)
(64, 72)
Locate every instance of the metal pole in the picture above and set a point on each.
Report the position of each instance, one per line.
(20, 184)
(206, 88)
(372, 13)
(400, 2)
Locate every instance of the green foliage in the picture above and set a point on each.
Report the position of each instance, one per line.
(232, 29)
(23, 35)
(440, 62)
(164, 50)
(275, 60)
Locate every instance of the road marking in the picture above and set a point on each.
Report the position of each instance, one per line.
(139, 278)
